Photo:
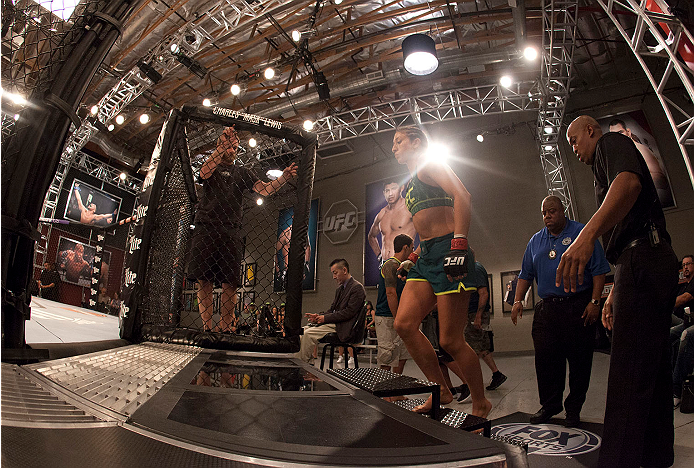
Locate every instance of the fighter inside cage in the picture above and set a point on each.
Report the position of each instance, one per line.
(203, 258)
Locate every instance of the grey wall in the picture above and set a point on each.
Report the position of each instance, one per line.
(504, 176)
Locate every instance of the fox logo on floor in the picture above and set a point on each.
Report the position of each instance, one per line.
(549, 439)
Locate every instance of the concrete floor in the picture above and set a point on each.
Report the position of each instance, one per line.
(53, 322)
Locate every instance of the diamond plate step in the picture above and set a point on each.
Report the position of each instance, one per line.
(453, 418)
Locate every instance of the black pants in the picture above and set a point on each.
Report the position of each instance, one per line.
(559, 335)
(639, 428)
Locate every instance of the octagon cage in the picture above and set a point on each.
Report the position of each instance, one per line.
(212, 258)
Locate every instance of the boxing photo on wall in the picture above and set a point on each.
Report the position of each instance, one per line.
(284, 237)
(91, 206)
(386, 217)
(509, 281)
(74, 261)
(635, 126)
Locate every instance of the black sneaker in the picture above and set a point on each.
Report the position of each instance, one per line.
(497, 379)
(464, 391)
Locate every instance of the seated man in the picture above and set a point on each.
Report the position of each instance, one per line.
(349, 300)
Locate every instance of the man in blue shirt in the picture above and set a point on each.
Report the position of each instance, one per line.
(564, 322)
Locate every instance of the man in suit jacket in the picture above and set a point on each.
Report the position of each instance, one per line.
(349, 300)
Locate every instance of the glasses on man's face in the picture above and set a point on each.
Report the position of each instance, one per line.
(684, 264)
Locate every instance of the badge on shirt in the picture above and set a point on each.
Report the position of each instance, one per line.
(552, 254)
(566, 241)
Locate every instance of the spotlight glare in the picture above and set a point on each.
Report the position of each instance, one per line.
(144, 118)
(480, 138)
(94, 110)
(16, 117)
(174, 48)
(548, 147)
(549, 130)
(337, 2)
(269, 73)
(111, 127)
(120, 119)
(530, 53)
(437, 152)
(259, 201)
(122, 176)
(506, 81)
(296, 36)
(252, 143)
(274, 174)
(206, 102)
(308, 125)
(235, 89)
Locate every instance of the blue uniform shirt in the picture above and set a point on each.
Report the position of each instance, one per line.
(538, 266)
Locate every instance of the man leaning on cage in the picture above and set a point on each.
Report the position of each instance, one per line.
(216, 250)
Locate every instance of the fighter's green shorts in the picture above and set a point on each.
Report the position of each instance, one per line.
(429, 267)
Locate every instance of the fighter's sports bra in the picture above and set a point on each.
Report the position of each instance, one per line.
(420, 196)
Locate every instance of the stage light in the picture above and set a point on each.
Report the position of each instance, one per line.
(419, 52)
(506, 81)
(174, 48)
(206, 102)
(321, 86)
(530, 53)
(235, 89)
(94, 110)
(436, 152)
(308, 125)
(549, 130)
(144, 118)
(274, 174)
(149, 71)
(296, 36)
(16, 117)
(120, 119)
(549, 147)
(259, 201)
(337, 2)
(111, 127)
(269, 73)
(252, 143)
(480, 138)
(123, 176)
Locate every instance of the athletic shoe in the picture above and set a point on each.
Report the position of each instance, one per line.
(340, 359)
(350, 363)
(497, 379)
(464, 391)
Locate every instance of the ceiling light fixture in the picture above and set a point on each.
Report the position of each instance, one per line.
(206, 102)
(175, 48)
(252, 143)
(549, 130)
(94, 110)
(144, 118)
(259, 201)
(549, 147)
(16, 117)
(419, 53)
(120, 119)
(480, 138)
(235, 89)
(269, 73)
(530, 53)
(308, 125)
(123, 176)
(296, 35)
(111, 127)
(506, 81)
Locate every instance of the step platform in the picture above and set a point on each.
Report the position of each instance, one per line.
(383, 383)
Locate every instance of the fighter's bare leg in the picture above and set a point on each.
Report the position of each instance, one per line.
(452, 339)
(205, 291)
(416, 302)
(228, 306)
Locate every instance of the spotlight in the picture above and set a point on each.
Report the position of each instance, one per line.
(149, 71)
(506, 81)
(94, 110)
(111, 127)
(122, 176)
(144, 118)
(321, 86)
(308, 125)
(549, 130)
(480, 138)
(419, 52)
(235, 89)
(269, 73)
(296, 36)
(549, 147)
(16, 117)
(193, 65)
(174, 48)
(274, 174)
(530, 53)
(337, 2)
(252, 143)
(206, 102)
(120, 119)
(259, 201)
(436, 152)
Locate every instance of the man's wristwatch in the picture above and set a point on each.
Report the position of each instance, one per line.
(595, 301)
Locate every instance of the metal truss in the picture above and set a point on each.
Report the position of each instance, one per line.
(558, 44)
(429, 108)
(668, 31)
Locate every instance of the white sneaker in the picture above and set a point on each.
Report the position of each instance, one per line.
(350, 363)
(340, 359)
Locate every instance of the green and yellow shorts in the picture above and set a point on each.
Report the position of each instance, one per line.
(429, 267)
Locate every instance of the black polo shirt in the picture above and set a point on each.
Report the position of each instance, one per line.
(681, 289)
(221, 198)
(616, 153)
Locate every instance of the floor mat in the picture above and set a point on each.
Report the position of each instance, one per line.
(552, 445)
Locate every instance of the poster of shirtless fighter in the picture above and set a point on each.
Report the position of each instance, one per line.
(386, 217)
(74, 261)
(91, 206)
